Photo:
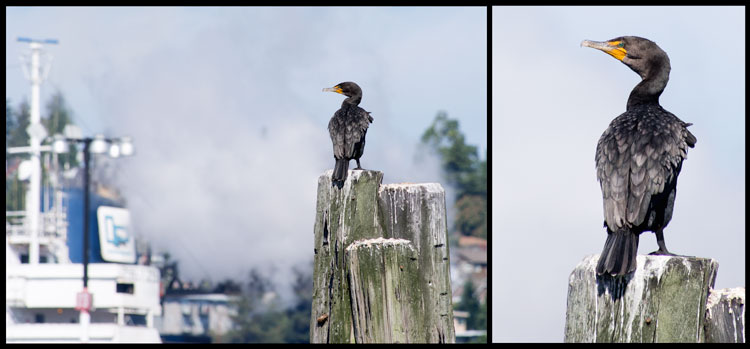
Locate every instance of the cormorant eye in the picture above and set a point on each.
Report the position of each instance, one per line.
(621, 44)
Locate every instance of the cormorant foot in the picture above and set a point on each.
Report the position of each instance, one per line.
(359, 168)
(661, 252)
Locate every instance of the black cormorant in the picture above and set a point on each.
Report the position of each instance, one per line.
(639, 157)
(347, 127)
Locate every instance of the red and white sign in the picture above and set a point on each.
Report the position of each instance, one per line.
(84, 300)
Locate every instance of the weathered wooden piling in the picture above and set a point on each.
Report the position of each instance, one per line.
(342, 217)
(381, 269)
(664, 300)
(387, 300)
(416, 212)
(725, 316)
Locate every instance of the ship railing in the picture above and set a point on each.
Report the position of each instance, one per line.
(52, 224)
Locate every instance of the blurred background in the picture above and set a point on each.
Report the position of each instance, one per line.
(552, 100)
(225, 111)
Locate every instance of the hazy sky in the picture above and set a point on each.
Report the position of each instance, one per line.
(227, 115)
(552, 99)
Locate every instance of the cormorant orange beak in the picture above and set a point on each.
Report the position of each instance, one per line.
(336, 89)
(613, 48)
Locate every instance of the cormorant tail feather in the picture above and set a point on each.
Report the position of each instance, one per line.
(619, 254)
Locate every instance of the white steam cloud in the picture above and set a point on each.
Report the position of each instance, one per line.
(225, 109)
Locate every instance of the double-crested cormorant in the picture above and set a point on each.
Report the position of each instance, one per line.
(347, 127)
(639, 157)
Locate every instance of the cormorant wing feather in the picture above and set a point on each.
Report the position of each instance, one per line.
(348, 127)
(638, 156)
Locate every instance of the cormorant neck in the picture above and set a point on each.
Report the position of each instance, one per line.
(650, 88)
(353, 100)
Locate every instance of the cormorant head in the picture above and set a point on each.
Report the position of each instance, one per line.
(642, 55)
(348, 89)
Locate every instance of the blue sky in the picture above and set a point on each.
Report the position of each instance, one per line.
(225, 109)
(552, 99)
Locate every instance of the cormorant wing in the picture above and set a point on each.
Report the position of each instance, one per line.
(632, 165)
(347, 128)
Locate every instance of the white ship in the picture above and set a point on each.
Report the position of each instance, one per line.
(41, 292)
(43, 268)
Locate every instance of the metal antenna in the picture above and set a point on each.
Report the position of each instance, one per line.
(36, 134)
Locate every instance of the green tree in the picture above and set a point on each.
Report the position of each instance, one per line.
(482, 316)
(17, 137)
(228, 286)
(463, 170)
(470, 304)
(300, 311)
(59, 115)
(10, 123)
(477, 180)
(459, 160)
(481, 323)
(257, 319)
(471, 218)
(16, 122)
